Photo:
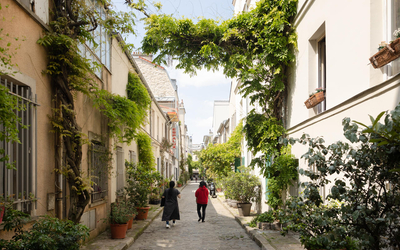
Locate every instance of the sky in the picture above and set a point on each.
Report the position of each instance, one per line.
(200, 91)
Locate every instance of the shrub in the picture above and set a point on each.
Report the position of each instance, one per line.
(48, 233)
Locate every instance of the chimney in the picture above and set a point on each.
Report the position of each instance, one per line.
(145, 56)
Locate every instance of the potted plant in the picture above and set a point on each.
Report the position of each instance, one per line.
(386, 52)
(140, 179)
(245, 189)
(5, 203)
(118, 218)
(179, 183)
(315, 98)
(155, 197)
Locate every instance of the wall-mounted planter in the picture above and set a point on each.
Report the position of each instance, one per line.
(386, 55)
(315, 99)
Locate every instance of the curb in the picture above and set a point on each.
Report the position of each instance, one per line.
(104, 242)
(253, 233)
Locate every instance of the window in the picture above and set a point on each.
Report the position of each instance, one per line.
(322, 72)
(393, 24)
(100, 54)
(120, 169)
(99, 171)
(157, 127)
(30, 4)
(132, 156)
(19, 183)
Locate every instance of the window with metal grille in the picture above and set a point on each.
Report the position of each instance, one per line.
(99, 171)
(20, 183)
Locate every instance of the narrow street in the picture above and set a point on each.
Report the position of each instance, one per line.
(219, 231)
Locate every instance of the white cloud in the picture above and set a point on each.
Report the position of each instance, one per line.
(203, 78)
(204, 122)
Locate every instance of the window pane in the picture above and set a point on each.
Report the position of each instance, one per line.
(395, 25)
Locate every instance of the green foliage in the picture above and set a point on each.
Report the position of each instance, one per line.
(138, 93)
(140, 179)
(145, 150)
(49, 233)
(9, 120)
(281, 174)
(269, 216)
(262, 133)
(318, 226)
(6, 52)
(242, 186)
(120, 212)
(125, 117)
(368, 187)
(256, 47)
(217, 159)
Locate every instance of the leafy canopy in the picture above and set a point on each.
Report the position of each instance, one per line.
(364, 178)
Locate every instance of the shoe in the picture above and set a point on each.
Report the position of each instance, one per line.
(199, 220)
(167, 226)
(202, 221)
(173, 223)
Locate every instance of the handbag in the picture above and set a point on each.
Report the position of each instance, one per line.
(162, 202)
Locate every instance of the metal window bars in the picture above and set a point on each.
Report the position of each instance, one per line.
(99, 172)
(19, 182)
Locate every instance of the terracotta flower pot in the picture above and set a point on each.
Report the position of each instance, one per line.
(118, 231)
(130, 222)
(2, 209)
(142, 213)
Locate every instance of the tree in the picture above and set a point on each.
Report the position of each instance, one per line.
(367, 189)
(256, 47)
(72, 24)
(217, 159)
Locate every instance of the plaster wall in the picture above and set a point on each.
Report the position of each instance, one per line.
(347, 54)
(30, 60)
(329, 124)
(221, 113)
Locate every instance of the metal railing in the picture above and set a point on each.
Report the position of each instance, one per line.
(18, 173)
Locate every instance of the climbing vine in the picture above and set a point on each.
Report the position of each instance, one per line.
(217, 159)
(146, 155)
(72, 26)
(9, 121)
(256, 47)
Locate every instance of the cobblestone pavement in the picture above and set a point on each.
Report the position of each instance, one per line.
(219, 231)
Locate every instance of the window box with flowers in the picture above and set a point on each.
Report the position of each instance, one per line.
(315, 98)
(387, 52)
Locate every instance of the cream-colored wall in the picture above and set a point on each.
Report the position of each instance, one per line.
(329, 124)
(121, 65)
(347, 54)
(30, 60)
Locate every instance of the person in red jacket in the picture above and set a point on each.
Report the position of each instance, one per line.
(202, 200)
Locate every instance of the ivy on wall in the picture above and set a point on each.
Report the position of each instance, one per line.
(145, 150)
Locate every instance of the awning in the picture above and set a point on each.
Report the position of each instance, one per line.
(173, 116)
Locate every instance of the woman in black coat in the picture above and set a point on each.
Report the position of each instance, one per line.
(171, 209)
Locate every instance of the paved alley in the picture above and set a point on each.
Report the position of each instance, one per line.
(219, 231)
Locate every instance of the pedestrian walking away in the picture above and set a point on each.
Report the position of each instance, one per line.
(171, 208)
(202, 200)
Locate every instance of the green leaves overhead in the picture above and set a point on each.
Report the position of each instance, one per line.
(255, 47)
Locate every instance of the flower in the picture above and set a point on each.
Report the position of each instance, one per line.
(317, 90)
(396, 33)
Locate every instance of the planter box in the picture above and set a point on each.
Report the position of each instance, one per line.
(386, 55)
(315, 99)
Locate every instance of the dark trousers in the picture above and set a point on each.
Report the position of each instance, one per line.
(203, 209)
